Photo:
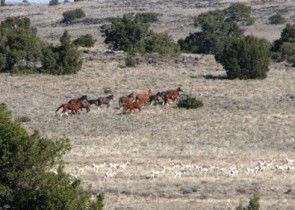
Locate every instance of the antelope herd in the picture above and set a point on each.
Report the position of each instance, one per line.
(129, 103)
(179, 170)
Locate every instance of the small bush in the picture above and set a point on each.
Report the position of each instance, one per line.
(148, 17)
(239, 12)
(245, 58)
(85, 41)
(130, 61)
(277, 19)
(161, 43)
(288, 52)
(53, 2)
(71, 15)
(189, 103)
(253, 204)
(22, 119)
(125, 33)
(287, 35)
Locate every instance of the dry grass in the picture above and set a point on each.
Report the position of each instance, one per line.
(241, 121)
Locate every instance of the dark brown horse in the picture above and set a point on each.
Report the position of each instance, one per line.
(105, 100)
(156, 98)
(172, 95)
(126, 99)
(132, 106)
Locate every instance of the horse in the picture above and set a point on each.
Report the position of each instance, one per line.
(132, 106)
(84, 97)
(84, 100)
(144, 96)
(173, 95)
(156, 98)
(126, 99)
(74, 107)
(93, 101)
(105, 100)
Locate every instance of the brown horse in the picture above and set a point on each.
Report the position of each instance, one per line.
(74, 107)
(85, 102)
(126, 99)
(132, 106)
(173, 95)
(84, 97)
(105, 100)
(144, 96)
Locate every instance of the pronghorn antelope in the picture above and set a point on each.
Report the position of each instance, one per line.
(124, 165)
(155, 174)
(114, 166)
(98, 166)
(252, 170)
(177, 174)
(109, 175)
(290, 161)
(80, 169)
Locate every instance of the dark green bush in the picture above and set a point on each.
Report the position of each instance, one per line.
(287, 51)
(252, 205)
(71, 15)
(276, 19)
(287, 35)
(20, 48)
(130, 61)
(189, 102)
(160, 43)
(245, 58)
(148, 17)
(85, 41)
(53, 2)
(239, 13)
(125, 33)
(283, 48)
(25, 179)
(2, 4)
(131, 35)
(218, 28)
(63, 59)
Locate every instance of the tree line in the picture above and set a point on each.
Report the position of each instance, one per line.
(219, 33)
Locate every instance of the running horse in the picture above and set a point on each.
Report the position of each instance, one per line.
(126, 99)
(171, 95)
(104, 100)
(74, 105)
(132, 106)
(84, 101)
(143, 96)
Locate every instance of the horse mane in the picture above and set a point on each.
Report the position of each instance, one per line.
(84, 97)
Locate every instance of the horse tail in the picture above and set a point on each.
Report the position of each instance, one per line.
(59, 108)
